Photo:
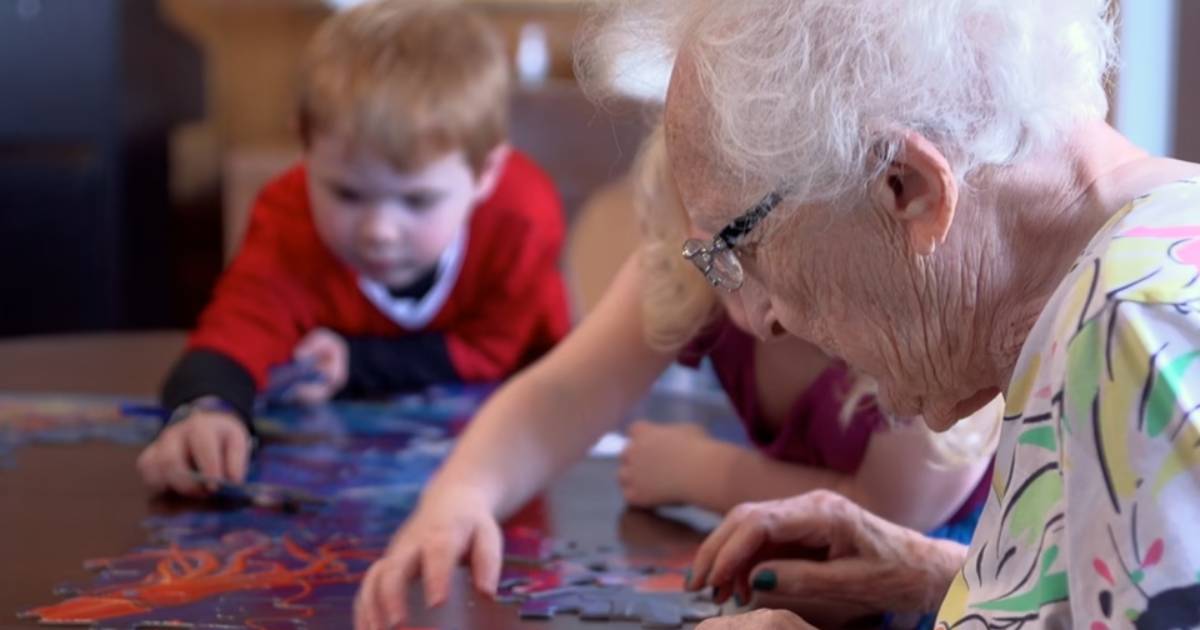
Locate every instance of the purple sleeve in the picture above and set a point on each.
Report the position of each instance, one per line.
(818, 436)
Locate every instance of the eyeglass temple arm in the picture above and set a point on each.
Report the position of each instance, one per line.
(740, 226)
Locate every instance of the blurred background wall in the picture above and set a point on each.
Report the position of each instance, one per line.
(134, 135)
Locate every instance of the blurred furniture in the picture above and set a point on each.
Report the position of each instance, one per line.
(128, 363)
(581, 144)
(254, 50)
(91, 92)
(602, 237)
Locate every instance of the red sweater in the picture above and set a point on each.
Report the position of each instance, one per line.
(507, 306)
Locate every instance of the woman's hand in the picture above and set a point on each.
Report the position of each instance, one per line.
(821, 554)
(757, 620)
(448, 524)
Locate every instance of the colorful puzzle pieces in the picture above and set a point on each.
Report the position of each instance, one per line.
(359, 469)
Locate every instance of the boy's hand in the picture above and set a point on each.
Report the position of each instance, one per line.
(215, 443)
(655, 465)
(328, 352)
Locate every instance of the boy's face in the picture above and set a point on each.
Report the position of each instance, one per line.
(391, 226)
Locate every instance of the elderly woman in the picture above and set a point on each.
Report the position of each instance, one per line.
(933, 195)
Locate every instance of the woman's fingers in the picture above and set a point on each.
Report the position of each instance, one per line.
(738, 547)
(757, 620)
(711, 547)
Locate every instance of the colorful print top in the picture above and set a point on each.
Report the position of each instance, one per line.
(1093, 520)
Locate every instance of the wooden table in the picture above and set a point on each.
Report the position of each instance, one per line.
(64, 504)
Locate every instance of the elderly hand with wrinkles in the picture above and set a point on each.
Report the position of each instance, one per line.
(825, 557)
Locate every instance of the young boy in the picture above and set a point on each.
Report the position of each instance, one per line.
(409, 247)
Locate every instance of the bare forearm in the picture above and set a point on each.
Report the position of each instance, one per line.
(726, 475)
(546, 418)
(526, 433)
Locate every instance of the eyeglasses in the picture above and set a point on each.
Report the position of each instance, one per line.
(719, 261)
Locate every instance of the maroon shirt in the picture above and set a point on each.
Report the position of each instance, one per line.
(813, 433)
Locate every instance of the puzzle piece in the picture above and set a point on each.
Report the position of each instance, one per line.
(283, 379)
(657, 610)
(604, 584)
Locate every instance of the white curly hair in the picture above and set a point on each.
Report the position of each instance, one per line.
(814, 92)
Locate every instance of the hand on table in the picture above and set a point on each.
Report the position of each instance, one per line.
(757, 620)
(823, 555)
(656, 465)
(214, 443)
(447, 526)
(328, 352)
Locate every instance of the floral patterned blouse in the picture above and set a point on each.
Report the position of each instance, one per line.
(1093, 520)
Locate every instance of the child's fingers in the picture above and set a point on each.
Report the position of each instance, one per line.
(150, 465)
(180, 477)
(638, 427)
(486, 552)
(393, 585)
(438, 558)
(311, 394)
(381, 601)
(173, 465)
(237, 454)
(364, 600)
(204, 446)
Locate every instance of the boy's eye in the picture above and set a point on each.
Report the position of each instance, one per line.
(420, 201)
(346, 194)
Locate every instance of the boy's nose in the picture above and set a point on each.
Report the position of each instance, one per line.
(381, 226)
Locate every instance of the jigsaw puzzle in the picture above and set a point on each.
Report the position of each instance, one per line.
(327, 488)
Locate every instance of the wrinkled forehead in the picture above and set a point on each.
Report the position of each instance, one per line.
(711, 191)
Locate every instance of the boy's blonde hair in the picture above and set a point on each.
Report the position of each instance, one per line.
(408, 79)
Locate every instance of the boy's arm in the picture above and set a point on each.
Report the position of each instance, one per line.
(201, 373)
(256, 314)
(720, 476)
(901, 478)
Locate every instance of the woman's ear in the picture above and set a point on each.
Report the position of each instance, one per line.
(918, 188)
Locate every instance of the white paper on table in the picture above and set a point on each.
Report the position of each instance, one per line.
(610, 446)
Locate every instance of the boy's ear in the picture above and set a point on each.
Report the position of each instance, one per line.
(489, 173)
(919, 189)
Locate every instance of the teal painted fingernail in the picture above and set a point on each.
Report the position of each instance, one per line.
(765, 581)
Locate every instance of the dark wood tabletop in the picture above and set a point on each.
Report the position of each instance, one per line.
(61, 505)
